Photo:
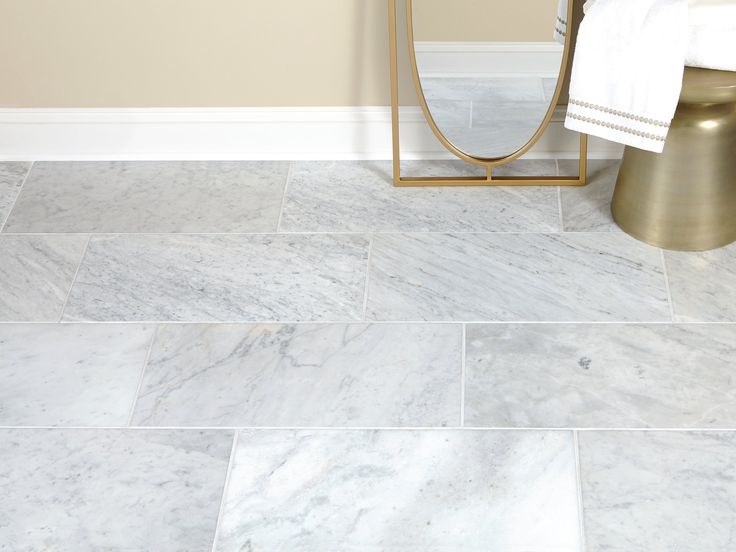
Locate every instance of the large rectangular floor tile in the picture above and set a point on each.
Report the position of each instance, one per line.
(401, 490)
(93, 490)
(36, 273)
(12, 175)
(303, 375)
(360, 197)
(703, 284)
(70, 374)
(147, 196)
(663, 491)
(588, 208)
(516, 277)
(600, 375)
(221, 278)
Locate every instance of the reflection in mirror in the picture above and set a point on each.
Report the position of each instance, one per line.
(488, 69)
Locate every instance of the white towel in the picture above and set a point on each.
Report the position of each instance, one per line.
(628, 69)
(712, 35)
(561, 23)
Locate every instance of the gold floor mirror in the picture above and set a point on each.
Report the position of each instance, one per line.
(489, 77)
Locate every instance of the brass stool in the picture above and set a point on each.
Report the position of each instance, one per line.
(685, 198)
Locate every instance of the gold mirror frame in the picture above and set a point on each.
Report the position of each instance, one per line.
(489, 179)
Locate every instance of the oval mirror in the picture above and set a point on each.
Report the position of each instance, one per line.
(487, 71)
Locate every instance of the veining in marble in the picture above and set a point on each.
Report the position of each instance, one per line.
(659, 491)
(359, 197)
(221, 278)
(401, 490)
(515, 277)
(585, 375)
(70, 374)
(12, 175)
(143, 196)
(382, 375)
(703, 285)
(518, 89)
(36, 273)
(588, 208)
(93, 490)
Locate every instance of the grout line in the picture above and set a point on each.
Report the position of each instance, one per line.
(667, 287)
(74, 279)
(17, 197)
(146, 360)
(462, 376)
(579, 484)
(224, 491)
(367, 279)
(283, 197)
(381, 428)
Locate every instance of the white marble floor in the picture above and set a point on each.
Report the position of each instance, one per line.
(247, 357)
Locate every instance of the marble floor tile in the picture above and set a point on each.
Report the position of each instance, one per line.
(702, 284)
(663, 491)
(359, 197)
(549, 85)
(450, 112)
(497, 141)
(70, 374)
(12, 175)
(36, 273)
(221, 278)
(383, 375)
(588, 208)
(600, 375)
(518, 89)
(527, 115)
(94, 490)
(515, 277)
(401, 490)
(145, 196)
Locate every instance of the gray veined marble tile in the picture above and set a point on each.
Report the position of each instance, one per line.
(303, 375)
(36, 273)
(668, 491)
(519, 89)
(588, 208)
(525, 115)
(450, 112)
(221, 278)
(549, 86)
(702, 284)
(70, 374)
(500, 140)
(359, 196)
(145, 196)
(515, 277)
(92, 490)
(583, 375)
(12, 175)
(401, 490)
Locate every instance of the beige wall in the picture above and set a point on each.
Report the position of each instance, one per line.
(199, 53)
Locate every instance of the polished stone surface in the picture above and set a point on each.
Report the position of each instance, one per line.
(95, 490)
(12, 175)
(703, 285)
(359, 197)
(73, 375)
(600, 375)
(131, 197)
(663, 491)
(515, 277)
(383, 375)
(401, 490)
(221, 278)
(36, 273)
(515, 89)
(588, 208)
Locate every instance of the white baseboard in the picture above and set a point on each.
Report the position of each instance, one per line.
(237, 134)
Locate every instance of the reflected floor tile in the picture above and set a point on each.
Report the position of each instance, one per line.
(518, 89)
(221, 278)
(303, 375)
(359, 197)
(668, 491)
(450, 112)
(588, 208)
(145, 196)
(401, 490)
(93, 490)
(515, 277)
(526, 115)
(36, 273)
(703, 284)
(562, 375)
(12, 175)
(70, 374)
(497, 141)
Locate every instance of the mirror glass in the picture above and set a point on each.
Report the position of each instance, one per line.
(488, 69)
